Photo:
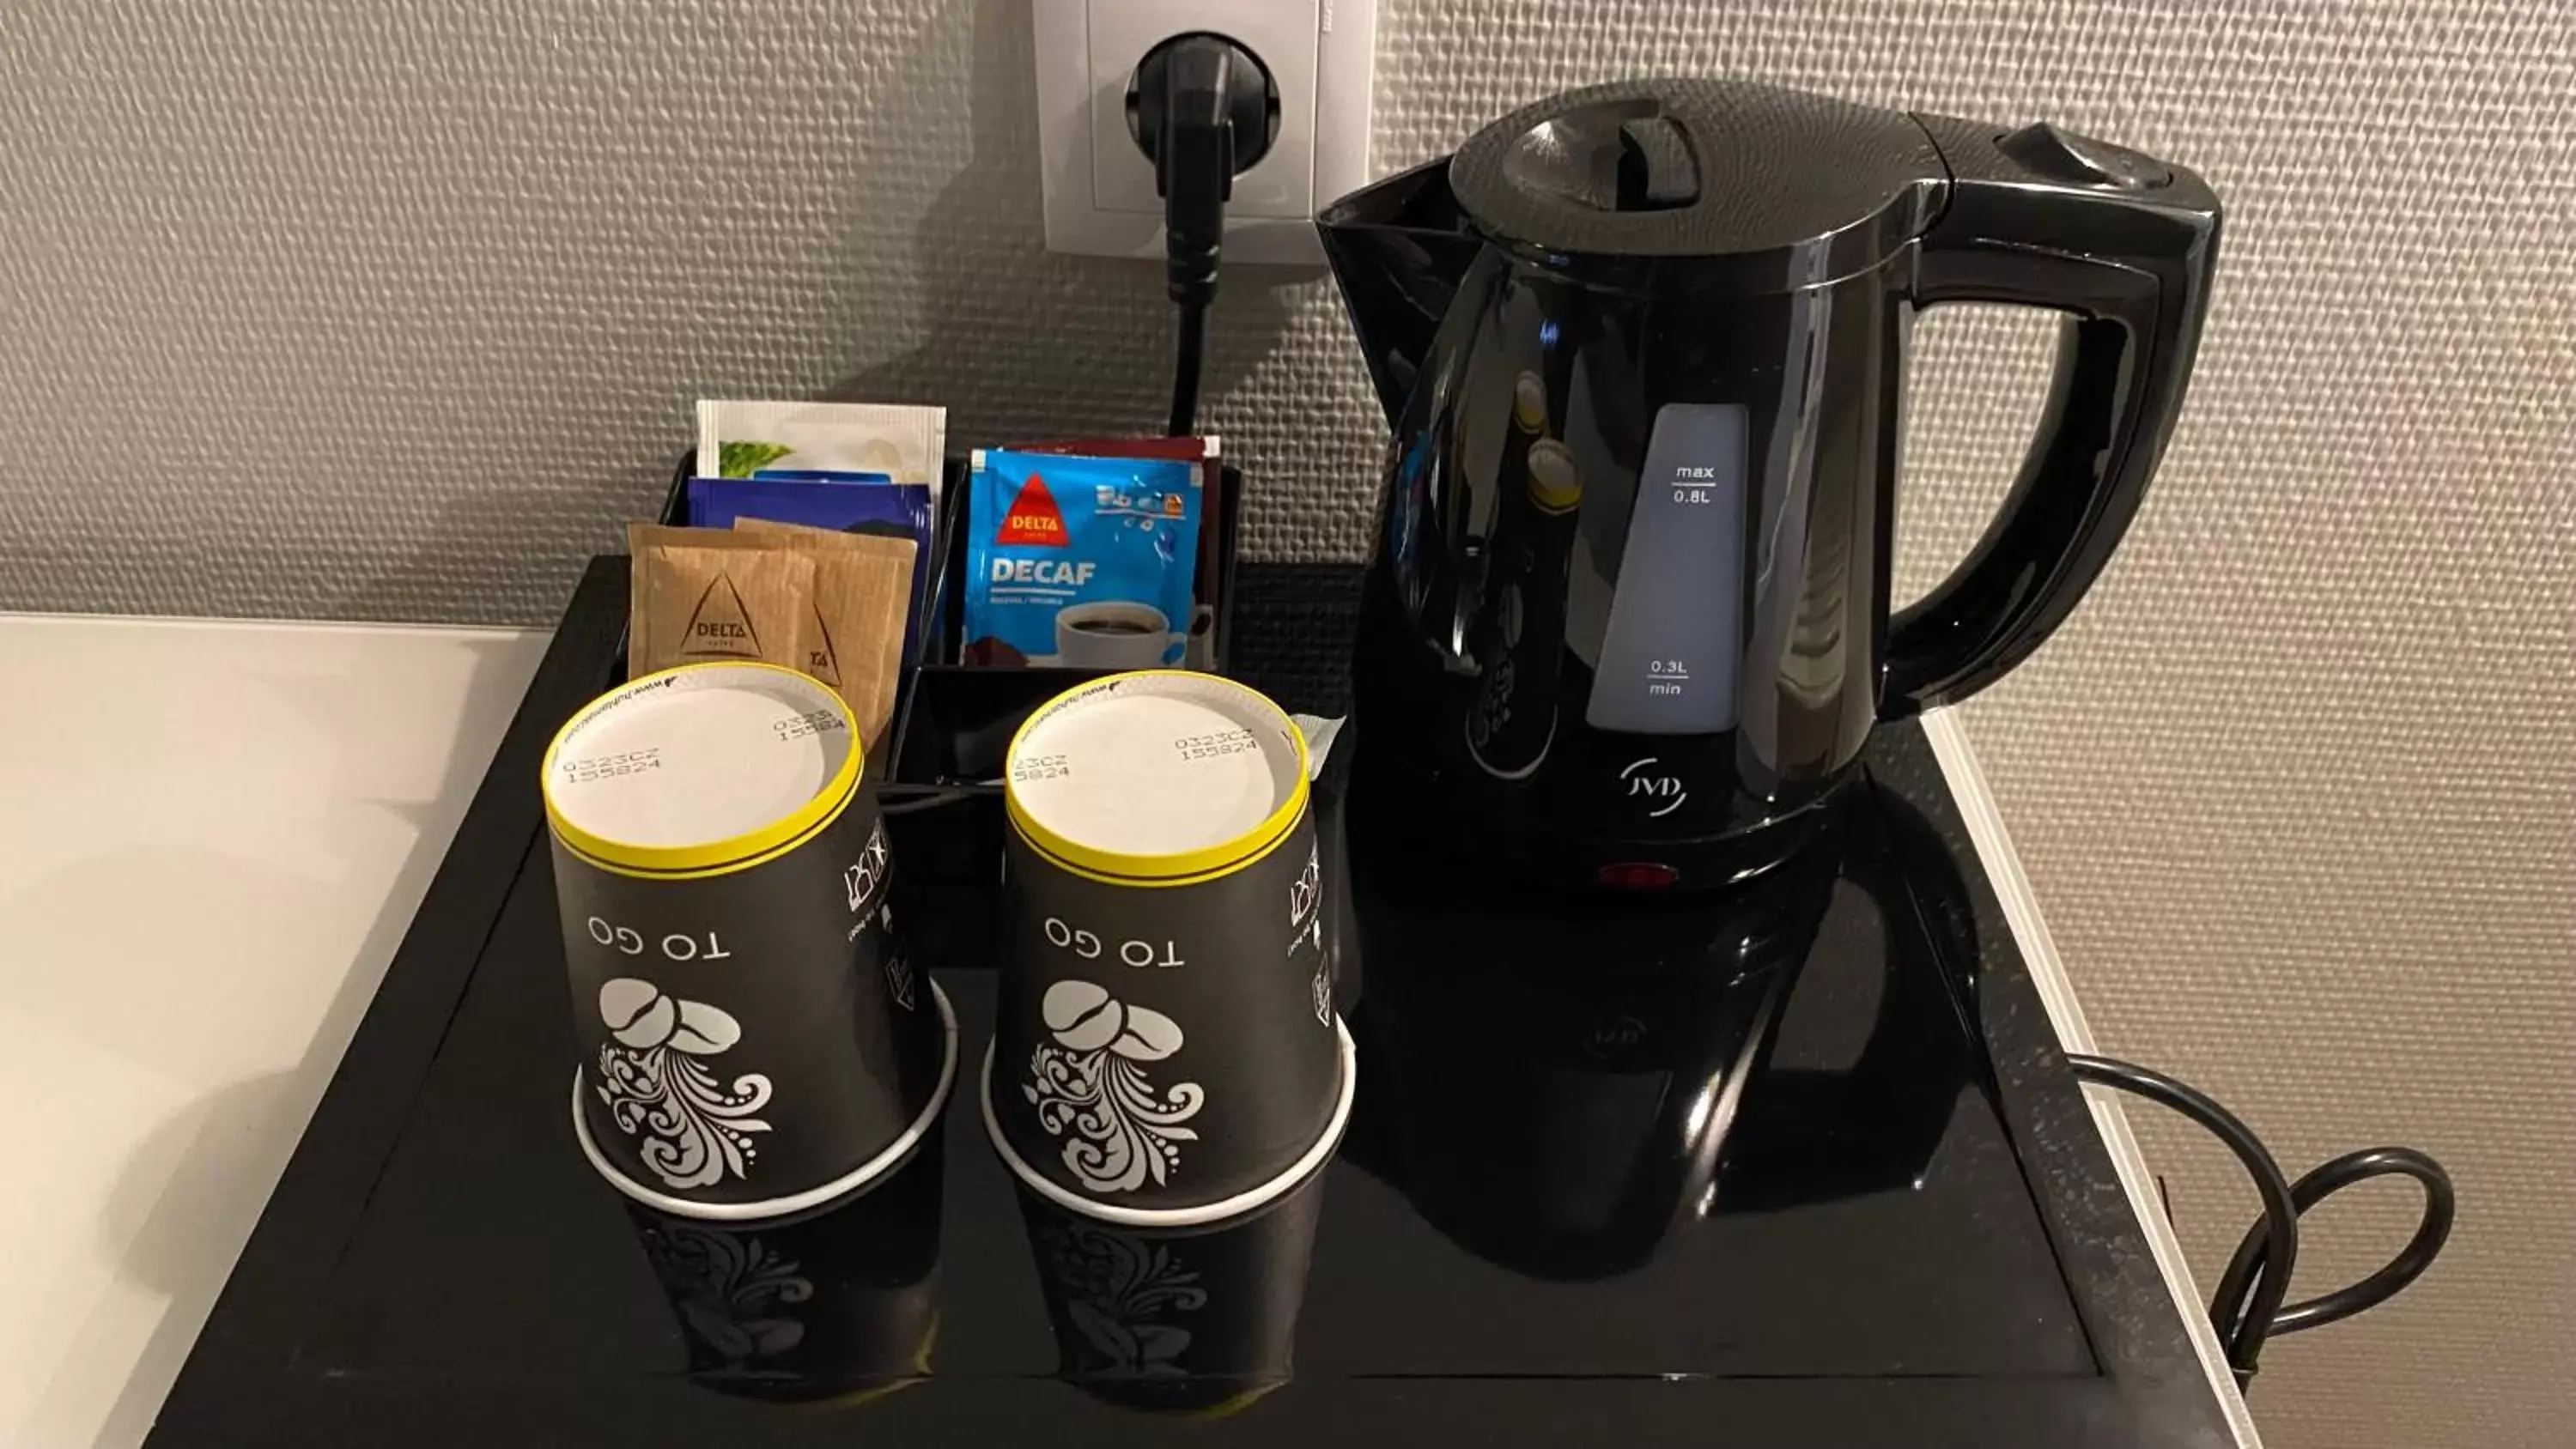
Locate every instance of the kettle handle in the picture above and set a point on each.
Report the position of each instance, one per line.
(2124, 244)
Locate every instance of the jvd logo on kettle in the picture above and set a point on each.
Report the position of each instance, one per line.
(1648, 782)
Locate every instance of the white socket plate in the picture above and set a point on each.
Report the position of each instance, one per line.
(1099, 188)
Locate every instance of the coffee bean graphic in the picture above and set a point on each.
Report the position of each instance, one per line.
(1150, 1036)
(705, 1030)
(637, 1013)
(1082, 1015)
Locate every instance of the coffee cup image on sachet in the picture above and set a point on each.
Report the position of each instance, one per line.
(1113, 634)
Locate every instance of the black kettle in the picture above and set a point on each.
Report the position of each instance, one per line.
(1643, 347)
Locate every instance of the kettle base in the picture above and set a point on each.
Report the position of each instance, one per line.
(1402, 811)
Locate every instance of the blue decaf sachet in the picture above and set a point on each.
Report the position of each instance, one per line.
(1080, 562)
(847, 502)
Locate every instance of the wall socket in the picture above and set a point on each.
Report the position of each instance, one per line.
(1099, 188)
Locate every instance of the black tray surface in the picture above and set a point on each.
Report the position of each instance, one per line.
(1912, 1235)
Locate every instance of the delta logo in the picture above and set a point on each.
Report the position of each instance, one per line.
(1033, 517)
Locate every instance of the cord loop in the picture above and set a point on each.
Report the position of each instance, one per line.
(2247, 1308)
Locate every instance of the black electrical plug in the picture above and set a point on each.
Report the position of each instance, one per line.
(1203, 109)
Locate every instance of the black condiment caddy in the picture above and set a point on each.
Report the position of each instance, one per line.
(941, 787)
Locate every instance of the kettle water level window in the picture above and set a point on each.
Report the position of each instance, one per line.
(1668, 661)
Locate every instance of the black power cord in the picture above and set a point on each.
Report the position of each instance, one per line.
(2247, 1308)
(1189, 355)
(916, 804)
(1203, 109)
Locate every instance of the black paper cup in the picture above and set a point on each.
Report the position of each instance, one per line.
(1166, 1050)
(834, 1305)
(1178, 1320)
(753, 1040)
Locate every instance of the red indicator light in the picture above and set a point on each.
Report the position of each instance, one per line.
(1637, 875)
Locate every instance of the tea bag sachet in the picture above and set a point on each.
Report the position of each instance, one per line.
(700, 595)
(745, 439)
(862, 598)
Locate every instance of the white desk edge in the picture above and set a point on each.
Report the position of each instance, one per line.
(1967, 783)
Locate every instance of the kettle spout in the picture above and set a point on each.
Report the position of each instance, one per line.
(1399, 250)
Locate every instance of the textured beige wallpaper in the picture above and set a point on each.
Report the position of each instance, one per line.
(392, 310)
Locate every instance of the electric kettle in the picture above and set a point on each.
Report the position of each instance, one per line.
(1643, 347)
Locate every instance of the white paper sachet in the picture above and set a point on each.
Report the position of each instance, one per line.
(1320, 734)
(906, 443)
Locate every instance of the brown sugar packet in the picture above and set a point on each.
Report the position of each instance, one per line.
(862, 596)
(700, 595)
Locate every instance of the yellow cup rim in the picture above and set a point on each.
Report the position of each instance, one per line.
(714, 857)
(1187, 867)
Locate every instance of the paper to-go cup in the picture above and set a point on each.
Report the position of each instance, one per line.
(1165, 1049)
(752, 1038)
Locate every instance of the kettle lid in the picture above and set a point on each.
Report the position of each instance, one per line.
(1804, 189)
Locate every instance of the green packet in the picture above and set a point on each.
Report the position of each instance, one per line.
(905, 443)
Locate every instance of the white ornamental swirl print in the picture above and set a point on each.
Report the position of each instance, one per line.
(1305, 895)
(861, 880)
(898, 967)
(1089, 1083)
(1306, 929)
(697, 1129)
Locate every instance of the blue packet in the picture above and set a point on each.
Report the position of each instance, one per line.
(817, 475)
(846, 502)
(1080, 562)
(864, 502)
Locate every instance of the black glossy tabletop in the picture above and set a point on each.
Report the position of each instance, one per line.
(1797, 1167)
